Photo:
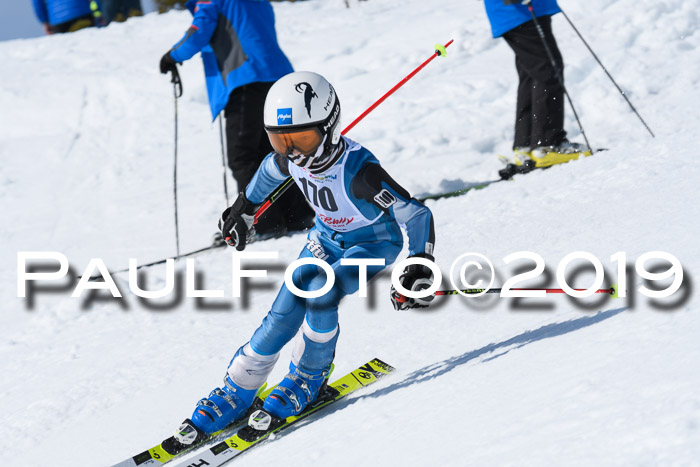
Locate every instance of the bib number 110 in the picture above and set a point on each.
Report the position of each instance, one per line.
(320, 197)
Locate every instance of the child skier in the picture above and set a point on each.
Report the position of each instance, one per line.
(359, 208)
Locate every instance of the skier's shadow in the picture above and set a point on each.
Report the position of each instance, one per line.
(438, 369)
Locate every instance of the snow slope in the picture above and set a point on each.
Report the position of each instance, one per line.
(86, 141)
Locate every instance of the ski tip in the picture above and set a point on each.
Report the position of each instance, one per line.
(384, 366)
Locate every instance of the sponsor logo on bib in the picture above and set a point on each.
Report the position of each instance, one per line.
(332, 222)
(323, 177)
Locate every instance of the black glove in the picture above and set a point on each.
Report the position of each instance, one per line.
(167, 64)
(415, 277)
(236, 223)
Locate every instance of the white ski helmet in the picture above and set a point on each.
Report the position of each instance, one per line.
(302, 112)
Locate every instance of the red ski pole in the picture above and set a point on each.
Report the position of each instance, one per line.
(610, 291)
(439, 51)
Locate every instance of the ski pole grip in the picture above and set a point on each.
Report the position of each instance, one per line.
(177, 82)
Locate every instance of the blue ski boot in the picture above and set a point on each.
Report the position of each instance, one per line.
(222, 406)
(213, 413)
(296, 391)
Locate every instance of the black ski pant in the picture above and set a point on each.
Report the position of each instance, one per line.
(539, 115)
(247, 145)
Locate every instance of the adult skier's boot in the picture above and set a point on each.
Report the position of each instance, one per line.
(565, 151)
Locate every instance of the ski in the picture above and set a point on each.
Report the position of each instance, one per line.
(450, 194)
(511, 169)
(248, 437)
(528, 165)
(158, 455)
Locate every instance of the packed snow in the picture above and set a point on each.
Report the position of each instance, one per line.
(86, 141)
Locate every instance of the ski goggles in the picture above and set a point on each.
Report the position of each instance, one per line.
(304, 140)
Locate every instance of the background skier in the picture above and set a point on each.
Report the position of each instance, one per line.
(242, 60)
(59, 16)
(539, 115)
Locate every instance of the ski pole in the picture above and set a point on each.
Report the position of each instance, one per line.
(557, 71)
(223, 158)
(610, 291)
(439, 51)
(609, 76)
(177, 92)
(279, 191)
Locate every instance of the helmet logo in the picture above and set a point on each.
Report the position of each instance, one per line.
(284, 116)
(331, 121)
(309, 94)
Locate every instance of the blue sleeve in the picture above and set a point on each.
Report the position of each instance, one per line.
(40, 10)
(418, 222)
(375, 185)
(271, 173)
(199, 34)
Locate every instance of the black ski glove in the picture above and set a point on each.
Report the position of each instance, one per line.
(415, 277)
(236, 223)
(167, 64)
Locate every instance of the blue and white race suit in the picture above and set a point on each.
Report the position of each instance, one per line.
(359, 211)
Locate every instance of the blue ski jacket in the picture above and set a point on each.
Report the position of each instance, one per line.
(504, 15)
(355, 200)
(60, 11)
(238, 43)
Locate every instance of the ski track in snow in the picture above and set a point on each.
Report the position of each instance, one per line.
(86, 140)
